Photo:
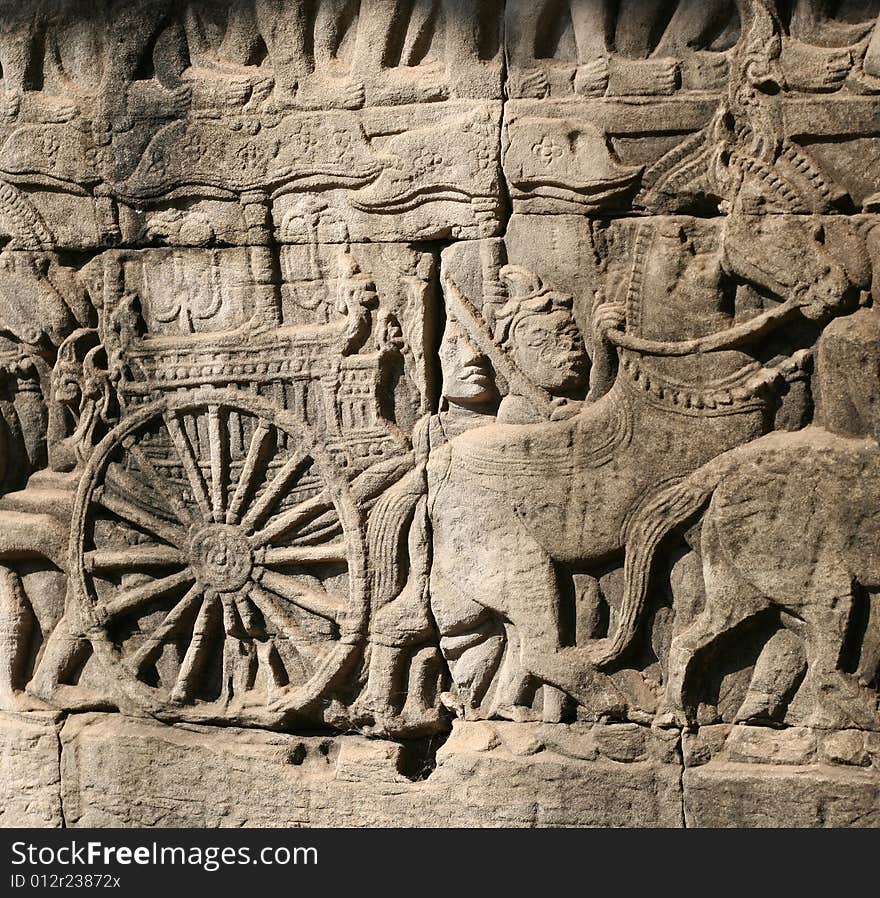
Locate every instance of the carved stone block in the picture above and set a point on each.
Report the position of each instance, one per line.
(489, 386)
(30, 788)
(755, 776)
(246, 778)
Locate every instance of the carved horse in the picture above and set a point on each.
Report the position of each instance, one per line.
(509, 503)
(793, 524)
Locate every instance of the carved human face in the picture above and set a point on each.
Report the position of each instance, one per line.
(468, 379)
(548, 349)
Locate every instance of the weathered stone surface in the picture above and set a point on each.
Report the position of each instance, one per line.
(747, 776)
(495, 376)
(30, 778)
(400, 173)
(743, 795)
(119, 772)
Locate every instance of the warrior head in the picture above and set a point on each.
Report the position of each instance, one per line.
(537, 328)
(468, 377)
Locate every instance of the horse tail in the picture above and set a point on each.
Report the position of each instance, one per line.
(386, 532)
(668, 509)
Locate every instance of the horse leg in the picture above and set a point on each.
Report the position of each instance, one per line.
(63, 654)
(474, 659)
(729, 603)
(713, 623)
(16, 633)
(570, 672)
(839, 702)
(525, 592)
(529, 597)
(535, 614)
(778, 672)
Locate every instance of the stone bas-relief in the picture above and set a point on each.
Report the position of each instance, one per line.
(448, 413)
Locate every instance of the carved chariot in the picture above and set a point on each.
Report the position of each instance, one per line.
(217, 560)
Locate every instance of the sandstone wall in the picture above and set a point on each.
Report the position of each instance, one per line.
(439, 413)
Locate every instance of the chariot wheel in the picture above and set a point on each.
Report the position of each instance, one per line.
(219, 561)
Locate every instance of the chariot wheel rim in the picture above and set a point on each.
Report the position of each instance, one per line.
(229, 552)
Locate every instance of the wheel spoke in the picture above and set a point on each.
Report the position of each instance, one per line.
(218, 441)
(295, 637)
(255, 455)
(127, 557)
(291, 519)
(245, 585)
(231, 625)
(306, 596)
(246, 613)
(125, 484)
(196, 653)
(239, 619)
(328, 553)
(131, 599)
(164, 530)
(171, 624)
(160, 484)
(296, 658)
(275, 653)
(183, 447)
(272, 494)
(322, 529)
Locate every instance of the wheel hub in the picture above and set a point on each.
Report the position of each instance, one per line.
(221, 557)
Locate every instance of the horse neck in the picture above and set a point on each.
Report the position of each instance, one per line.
(701, 392)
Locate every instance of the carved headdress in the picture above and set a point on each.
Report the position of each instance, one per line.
(527, 297)
(742, 161)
